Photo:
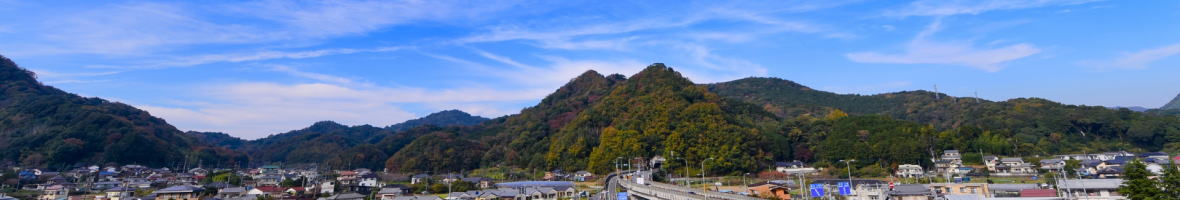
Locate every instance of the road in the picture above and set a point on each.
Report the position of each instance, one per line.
(659, 191)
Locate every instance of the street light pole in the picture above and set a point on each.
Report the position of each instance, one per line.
(848, 164)
(686, 175)
(705, 188)
(747, 187)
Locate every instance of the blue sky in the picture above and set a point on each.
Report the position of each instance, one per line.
(254, 68)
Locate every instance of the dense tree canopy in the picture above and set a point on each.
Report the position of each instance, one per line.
(42, 126)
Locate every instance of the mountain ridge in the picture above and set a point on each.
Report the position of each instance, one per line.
(42, 126)
(1172, 105)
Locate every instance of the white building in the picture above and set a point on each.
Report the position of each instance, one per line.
(794, 167)
(910, 171)
(1100, 189)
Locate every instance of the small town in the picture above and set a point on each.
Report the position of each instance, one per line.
(589, 100)
(1070, 176)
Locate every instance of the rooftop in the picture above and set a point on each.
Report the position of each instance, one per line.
(1090, 183)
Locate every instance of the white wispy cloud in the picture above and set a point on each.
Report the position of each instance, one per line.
(716, 68)
(924, 50)
(310, 75)
(625, 34)
(550, 75)
(147, 28)
(973, 7)
(1140, 59)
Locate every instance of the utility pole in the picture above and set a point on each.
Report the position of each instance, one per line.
(936, 95)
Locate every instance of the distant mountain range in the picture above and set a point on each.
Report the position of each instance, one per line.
(444, 118)
(1133, 108)
(590, 122)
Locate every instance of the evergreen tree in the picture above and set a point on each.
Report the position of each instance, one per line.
(1171, 181)
(1137, 186)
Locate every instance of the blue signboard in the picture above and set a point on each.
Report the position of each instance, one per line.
(622, 196)
(845, 188)
(817, 190)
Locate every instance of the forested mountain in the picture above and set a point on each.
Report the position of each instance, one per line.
(339, 146)
(443, 118)
(217, 139)
(41, 126)
(594, 119)
(523, 139)
(1172, 105)
(1030, 126)
(315, 144)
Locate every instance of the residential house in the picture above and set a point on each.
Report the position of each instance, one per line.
(944, 167)
(960, 188)
(345, 196)
(991, 162)
(560, 189)
(103, 185)
(793, 167)
(554, 175)
(420, 179)
(1076, 157)
(390, 193)
(269, 180)
(1053, 164)
(1100, 189)
(451, 178)
(270, 169)
(962, 171)
(199, 171)
(480, 182)
(1014, 166)
(54, 192)
(1089, 168)
(1116, 155)
(368, 180)
(429, 197)
(1111, 172)
(119, 193)
(181, 192)
(769, 190)
(265, 191)
(469, 195)
(327, 187)
(233, 192)
(911, 192)
(1156, 165)
(953, 155)
(950, 160)
(1154, 155)
(294, 191)
(910, 171)
(583, 176)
